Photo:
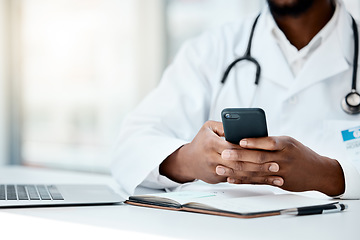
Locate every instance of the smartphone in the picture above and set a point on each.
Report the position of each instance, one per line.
(242, 123)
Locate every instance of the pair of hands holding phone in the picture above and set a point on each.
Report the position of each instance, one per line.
(278, 161)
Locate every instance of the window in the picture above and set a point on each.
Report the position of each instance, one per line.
(3, 84)
(82, 62)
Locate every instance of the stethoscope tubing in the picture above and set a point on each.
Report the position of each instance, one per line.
(345, 103)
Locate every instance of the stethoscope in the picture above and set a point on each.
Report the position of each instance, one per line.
(351, 102)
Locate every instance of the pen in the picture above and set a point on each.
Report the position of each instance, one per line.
(330, 208)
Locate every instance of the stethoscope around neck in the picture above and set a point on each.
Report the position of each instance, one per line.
(350, 103)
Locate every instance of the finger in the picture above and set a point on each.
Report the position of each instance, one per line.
(269, 180)
(239, 169)
(245, 155)
(216, 127)
(220, 144)
(217, 143)
(264, 143)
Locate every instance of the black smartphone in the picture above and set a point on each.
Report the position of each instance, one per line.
(240, 123)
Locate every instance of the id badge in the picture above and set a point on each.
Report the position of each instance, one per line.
(341, 139)
(351, 140)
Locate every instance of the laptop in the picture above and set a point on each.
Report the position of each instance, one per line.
(27, 195)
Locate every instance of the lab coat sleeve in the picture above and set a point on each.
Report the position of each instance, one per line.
(169, 117)
(156, 180)
(352, 181)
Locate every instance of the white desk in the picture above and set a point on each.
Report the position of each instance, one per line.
(155, 223)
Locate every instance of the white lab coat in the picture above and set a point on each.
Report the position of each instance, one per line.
(306, 107)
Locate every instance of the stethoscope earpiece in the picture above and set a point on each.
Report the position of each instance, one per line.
(351, 103)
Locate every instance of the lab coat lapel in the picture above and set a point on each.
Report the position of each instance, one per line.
(272, 60)
(326, 62)
(333, 57)
(266, 51)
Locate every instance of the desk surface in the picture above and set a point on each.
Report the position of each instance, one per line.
(172, 224)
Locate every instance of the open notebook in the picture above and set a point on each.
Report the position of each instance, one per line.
(219, 203)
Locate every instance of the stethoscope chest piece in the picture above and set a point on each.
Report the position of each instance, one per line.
(351, 103)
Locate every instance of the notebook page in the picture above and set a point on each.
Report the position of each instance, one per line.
(263, 203)
(186, 196)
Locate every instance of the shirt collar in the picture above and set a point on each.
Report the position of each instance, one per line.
(291, 53)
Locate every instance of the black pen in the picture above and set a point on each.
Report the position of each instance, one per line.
(329, 208)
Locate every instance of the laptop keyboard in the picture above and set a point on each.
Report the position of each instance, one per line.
(29, 192)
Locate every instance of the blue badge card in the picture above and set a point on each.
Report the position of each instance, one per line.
(351, 139)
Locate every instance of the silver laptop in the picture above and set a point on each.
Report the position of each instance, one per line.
(18, 195)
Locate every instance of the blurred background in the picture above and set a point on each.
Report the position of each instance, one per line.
(70, 70)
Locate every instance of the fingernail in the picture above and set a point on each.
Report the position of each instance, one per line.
(274, 167)
(231, 180)
(220, 170)
(243, 143)
(277, 182)
(225, 154)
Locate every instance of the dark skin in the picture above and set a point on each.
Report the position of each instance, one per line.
(278, 161)
(299, 30)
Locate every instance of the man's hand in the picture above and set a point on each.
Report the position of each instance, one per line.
(198, 159)
(293, 166)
